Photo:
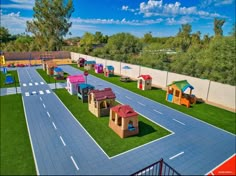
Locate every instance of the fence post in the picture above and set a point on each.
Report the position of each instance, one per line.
(161, 166)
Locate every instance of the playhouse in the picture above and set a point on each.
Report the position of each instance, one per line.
(144, 82)
(98, 68)
(100, 101)
(72, 83)
(89, 65)
(123, 121)
(81, 62)
(58, 73)
(83, 90)
(109, 71)
(50, 65)
(46, 58)
(175, 93)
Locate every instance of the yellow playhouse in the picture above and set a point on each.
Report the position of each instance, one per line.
(123, 121)
(100, 101)
(175, 93)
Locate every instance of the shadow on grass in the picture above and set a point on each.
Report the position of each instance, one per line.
(145, 129)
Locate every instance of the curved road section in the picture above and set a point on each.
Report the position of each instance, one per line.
(61, 145)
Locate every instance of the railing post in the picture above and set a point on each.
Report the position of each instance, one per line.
(161, 166)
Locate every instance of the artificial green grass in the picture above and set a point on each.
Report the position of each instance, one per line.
(98, 128)
(3, 78)
(213, 115)
(16, 153)
(50, 79)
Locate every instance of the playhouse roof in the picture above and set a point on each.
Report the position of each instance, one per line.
(182, 85)
(109, 67)
(90, 62)
(124, 111)
(76, 78)
(145, 77)
(106, 93)
(83, 86)
(58, 69)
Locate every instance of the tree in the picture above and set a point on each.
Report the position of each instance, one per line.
(183, 38)
(87, 42)
(147, 37)
(4, 35)
(218, 23)
(51, 22)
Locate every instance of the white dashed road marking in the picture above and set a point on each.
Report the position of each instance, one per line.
(128, 97)
(176, 155)
(27, 94)
(36, 83)
(41, 92)
(178, 122)
(42, 83)
(55, 127)
(71, 157)
(30, 84)
(141, 104)
(62, 141)
(48, 91)
(24, 85)
(48, 114)
(157, 111)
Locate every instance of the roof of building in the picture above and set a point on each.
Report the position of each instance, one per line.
(90, 62)
(106, 93)
(58, 69)
(76, 78)
(101, 65)
(110, 67)
(182, 85)
(145, 77)
(83, 86)
(124, 111)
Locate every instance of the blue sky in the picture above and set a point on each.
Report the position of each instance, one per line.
(161, 17)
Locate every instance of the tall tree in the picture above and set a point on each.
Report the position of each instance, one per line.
(51, 22)
(218, 23)
(4, 35)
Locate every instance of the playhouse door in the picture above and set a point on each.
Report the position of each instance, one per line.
(140, 84)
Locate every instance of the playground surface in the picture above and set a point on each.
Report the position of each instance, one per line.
(62, 146)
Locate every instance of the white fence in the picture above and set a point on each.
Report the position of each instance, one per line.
(219, 94)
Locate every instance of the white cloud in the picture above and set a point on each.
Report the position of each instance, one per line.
(125, 8)
(14, 22)
(182, 20)
(19, 4)
(157, 8)
(117, 22)
(207, 3)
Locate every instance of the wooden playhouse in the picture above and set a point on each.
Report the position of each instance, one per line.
(109, 71)
(100, 101)
(89, 65)
(144, 82)
(123, 121)
(50, 65)
(176, 93)
(72, 83)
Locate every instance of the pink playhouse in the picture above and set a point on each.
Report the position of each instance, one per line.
(98, 68)
(72, 83)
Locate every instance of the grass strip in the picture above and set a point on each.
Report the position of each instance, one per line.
(16, 152)
(50, 79)
(98, 128)
(213, 115)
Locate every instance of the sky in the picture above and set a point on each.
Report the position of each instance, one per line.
(160, 17)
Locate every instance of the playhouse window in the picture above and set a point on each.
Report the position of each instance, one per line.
(103, 104)
(113, 116)
(119, 121)
(177, 93)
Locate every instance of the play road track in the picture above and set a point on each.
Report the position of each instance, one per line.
(62, 146)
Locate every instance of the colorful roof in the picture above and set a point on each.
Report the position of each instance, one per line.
(106, 93)
(182, 85)
(76, 78)
(83, 86)
(99, 65)
(109, 67)
(145, 77)
(58, 69)
(90, 62)
(124, 111)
